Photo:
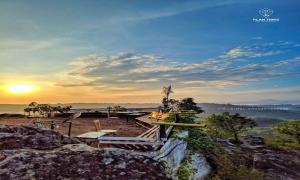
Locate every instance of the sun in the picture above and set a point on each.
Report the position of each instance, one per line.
(20, 88)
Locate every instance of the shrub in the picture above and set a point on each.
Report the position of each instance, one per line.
(198, 141)
(164, 164)
(289, 128)
(183, 173)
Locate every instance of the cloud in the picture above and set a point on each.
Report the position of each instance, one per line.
(176, 10)
(257, 38)
(17, 45)
(212, 84)
(146, 71)
(239, 53)
(259, 49)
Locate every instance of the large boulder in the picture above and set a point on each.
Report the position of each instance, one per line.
(274, 163)
(31, 153)
(24, 137)
(278, 164)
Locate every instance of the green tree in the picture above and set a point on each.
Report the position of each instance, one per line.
(188, 104)
(32, 107)
(119, 108)
(230, 124)
(44, 109)
(33, 104)
(290, 128)
(27, 110)
(65, 109)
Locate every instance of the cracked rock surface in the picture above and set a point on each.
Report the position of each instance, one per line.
(31, 153)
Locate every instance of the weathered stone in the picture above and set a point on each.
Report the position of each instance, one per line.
(30, 153)
(254, 140)
(2, 156)
(274, 163)
(17, 137)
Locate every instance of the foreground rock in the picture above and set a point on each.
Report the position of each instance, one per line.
(44, 158)
(22, 137)
(274, 163)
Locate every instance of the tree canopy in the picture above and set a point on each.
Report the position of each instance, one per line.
(230, 124)
(45, 109)
(188, 104)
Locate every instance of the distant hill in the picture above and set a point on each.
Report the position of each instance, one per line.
(264, 122)
(18, 108)
(271, 112)
(279, 112)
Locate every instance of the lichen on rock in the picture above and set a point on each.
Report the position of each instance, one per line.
(31, 153)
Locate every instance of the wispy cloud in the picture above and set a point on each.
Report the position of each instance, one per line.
(176, 10)
(17, 45)
(150, 71)
(240, 52)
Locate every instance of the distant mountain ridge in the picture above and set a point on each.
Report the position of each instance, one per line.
(18, 108)
(280, 111)
(210, 108)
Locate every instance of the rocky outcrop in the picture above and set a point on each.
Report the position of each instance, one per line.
(278, 164)
(253, 141)
(201, 166)
(174, 154)
(30, 153)
(24, 137)
(274, 163)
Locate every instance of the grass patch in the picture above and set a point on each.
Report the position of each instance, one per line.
(185, 171)
(274, 139)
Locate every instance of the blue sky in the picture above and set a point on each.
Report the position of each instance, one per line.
(211, 50)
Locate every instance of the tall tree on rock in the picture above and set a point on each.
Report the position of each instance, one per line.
(233, 125)
(166, 93)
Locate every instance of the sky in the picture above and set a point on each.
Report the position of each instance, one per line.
(126, 51)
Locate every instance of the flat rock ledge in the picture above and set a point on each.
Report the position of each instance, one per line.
(30, 153)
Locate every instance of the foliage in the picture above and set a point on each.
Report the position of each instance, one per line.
(232, 125)
(119, 109)
(45, 109)
(281, 141)
(186, 118)
(182, 118)
(33, 104)
(188, 104)
(274, 139)
(164, 163)
(289, 128)
(223, 164)
(198, 141)
(183, 173)
(186, 170)
(185, 105)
